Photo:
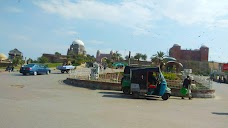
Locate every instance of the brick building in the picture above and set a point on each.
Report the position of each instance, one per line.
(194, 55)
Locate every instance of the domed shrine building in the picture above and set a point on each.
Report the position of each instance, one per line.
(3, 60)
(77, 47)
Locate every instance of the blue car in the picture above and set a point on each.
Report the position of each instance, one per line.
(34, 69)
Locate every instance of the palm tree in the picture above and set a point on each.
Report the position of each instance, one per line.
(17, 61)
(158, 58)
(116, 56)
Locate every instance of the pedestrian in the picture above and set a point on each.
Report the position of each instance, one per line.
(12, 69)
(187, 85)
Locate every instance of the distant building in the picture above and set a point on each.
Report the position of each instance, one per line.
(101, 56)
(77, 47)
(55, 58)
(15, 52)
(194, 55)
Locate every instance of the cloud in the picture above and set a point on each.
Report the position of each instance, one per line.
(141, 15)
(222, 23)
(19, 38)
(128, 14)
(195, 11)
(13, 10)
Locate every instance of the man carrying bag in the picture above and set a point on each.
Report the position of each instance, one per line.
(186, 89)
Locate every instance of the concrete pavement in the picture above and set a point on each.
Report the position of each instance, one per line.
(44, 101)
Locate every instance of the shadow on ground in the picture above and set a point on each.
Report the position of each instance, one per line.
(59, 73)
(65, 82)
(123, 96)
(220, 113)
(17, 74)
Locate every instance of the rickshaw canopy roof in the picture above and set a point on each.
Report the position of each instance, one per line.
(154, 69)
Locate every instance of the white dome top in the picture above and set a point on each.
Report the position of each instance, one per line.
(79, 42)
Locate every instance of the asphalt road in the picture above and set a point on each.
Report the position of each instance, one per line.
(44, 101)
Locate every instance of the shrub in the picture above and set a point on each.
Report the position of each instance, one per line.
(170, 76)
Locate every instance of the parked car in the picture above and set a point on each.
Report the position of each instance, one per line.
(34, 69)
(65, 68)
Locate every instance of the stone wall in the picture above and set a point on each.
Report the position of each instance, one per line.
(93, 84)
(117, 87)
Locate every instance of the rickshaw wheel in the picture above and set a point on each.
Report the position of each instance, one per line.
(126, 91)
(165, 96)
(135, 95)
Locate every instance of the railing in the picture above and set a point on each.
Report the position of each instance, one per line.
(199, 83)
(202, 82)
(108, 75)
(82, 73)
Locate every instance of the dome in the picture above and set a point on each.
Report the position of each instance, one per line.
(2, 56)
(79, 42)
(204, 46)
(176, 45)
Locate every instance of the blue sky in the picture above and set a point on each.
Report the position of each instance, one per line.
(139, 26)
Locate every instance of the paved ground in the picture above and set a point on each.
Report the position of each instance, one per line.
(43, 101)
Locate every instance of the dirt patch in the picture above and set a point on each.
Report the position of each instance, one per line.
(17, 86)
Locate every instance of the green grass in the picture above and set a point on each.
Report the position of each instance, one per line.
(53, 65)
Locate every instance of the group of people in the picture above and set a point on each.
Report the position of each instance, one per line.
(10, 68)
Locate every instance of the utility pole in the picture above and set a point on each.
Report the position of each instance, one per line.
(129, 58)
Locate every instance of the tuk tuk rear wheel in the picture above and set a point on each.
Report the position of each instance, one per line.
(166, 96)
(126, 91)
(135, 95)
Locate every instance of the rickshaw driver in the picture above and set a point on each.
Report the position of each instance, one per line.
(152, 79)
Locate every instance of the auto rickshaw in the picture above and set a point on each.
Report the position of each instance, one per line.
(145, 82)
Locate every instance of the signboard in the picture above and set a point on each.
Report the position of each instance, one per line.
(225, 67)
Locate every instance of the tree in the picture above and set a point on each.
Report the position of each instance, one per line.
(57, 54)
(108, 62)
(17, 61)
(144, 57)
(42, 59)
(138, 56)
(29, 61)
(126, 57)
(90, 58)
(158, 58)
(116, 56)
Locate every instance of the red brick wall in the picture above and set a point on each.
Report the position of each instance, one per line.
(204, 54)
(196, 55)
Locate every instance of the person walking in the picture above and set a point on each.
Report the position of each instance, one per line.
(187, 85)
